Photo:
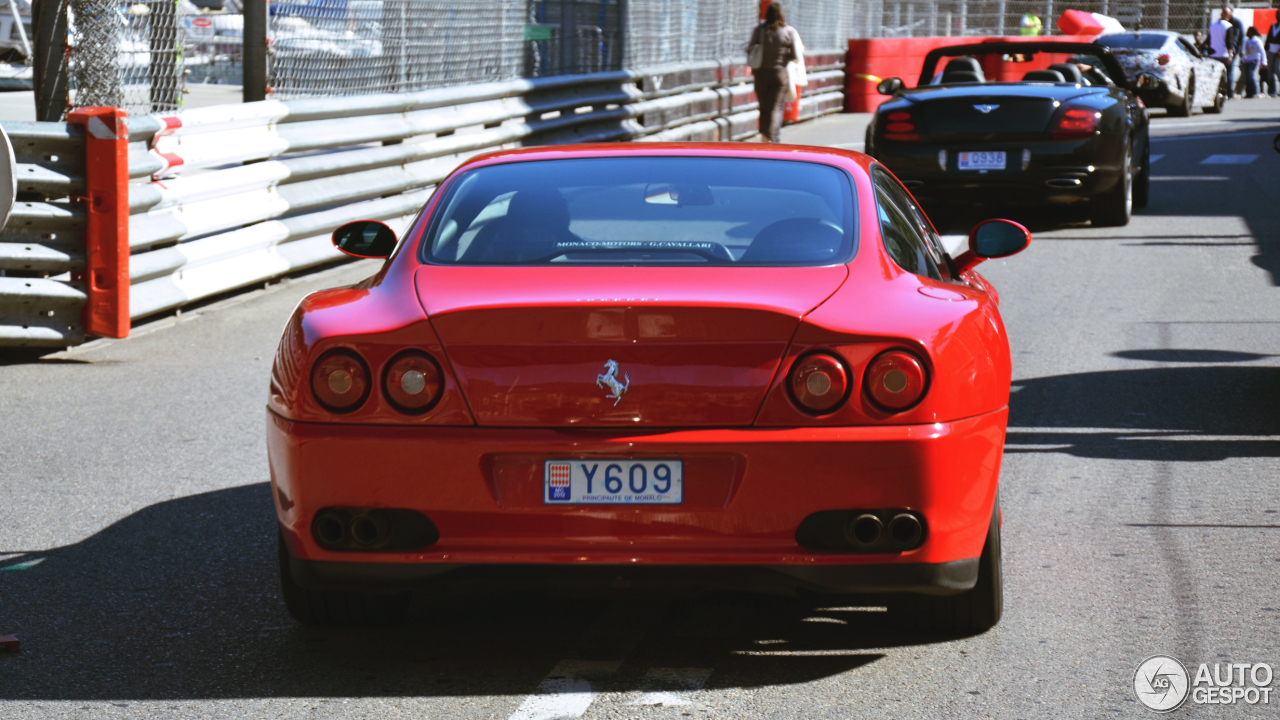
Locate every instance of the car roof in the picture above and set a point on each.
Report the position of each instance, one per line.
(804, 153)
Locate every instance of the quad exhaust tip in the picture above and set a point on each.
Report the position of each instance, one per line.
(372, 529)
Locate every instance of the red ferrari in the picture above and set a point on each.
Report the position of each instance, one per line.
(717, 365)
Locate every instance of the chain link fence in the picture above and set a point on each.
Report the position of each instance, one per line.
(140, 54)
(126, 54)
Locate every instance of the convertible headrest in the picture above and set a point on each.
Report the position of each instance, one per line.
(965, 64)
(1070, 72)
(960, 76)
(1043, 76)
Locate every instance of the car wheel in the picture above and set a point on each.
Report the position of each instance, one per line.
(1219, 98)
(1142, 181)
(973, 611)
(341, 608)
(1115, 208)
(1188, 100)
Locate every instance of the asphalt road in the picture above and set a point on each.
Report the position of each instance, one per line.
(1139, 489)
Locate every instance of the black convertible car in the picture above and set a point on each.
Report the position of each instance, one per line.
(1072, 135)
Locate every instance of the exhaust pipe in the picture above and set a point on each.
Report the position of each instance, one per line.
(1063, 183)
(905, 531)
(370, 530)
(331, 528)
(864, 531)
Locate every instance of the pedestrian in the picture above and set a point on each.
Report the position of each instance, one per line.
(1253, 58)
(773, 45)
(1226, 40)
(1272, 75)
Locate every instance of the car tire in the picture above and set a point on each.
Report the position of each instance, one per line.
(1116, 207)
(971, 612)
(338, 608)
(1188, 100)
(1142, 181)
(1220, 98)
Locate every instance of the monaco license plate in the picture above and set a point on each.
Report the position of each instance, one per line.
(982, 160)
(613, 482)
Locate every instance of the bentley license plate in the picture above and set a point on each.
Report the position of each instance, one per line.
(613, 482)
(993, 160)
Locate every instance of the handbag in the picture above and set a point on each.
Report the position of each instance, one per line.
(755, 51)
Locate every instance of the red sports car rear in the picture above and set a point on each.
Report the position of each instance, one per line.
(724, 365)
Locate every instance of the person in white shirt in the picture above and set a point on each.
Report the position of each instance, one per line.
(1226, 40)
(1254, 57)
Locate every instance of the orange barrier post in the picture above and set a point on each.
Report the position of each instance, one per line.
(106, 233)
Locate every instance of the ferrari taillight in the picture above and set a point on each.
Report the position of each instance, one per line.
(895, 380)
(819, 383)
(1163, 59)
(340, 380)
(1077, 123)
(901, 125)
(412, 382)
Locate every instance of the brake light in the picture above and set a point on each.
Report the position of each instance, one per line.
(895, 380)
(412, 382)
(1163, 59)
(1077, 123)
(901, 125)
(340, 380)
(819, 383)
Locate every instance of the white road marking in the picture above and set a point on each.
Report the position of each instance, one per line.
(955, 244)
(669, 686)
(1154, 158)
(1228, 159)
(1190, 178)
(566, 691)
(1211, 136)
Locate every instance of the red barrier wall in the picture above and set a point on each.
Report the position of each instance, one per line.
(106, 232)
(871, 60)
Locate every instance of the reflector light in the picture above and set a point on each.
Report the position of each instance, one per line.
(1077, 123)
(900, 127)
(413, 382)
(902, 136)
(1163, 59)
(819, 383)
(896, 380)
(899, 115)
(340, 381)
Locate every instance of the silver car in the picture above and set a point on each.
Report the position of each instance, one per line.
(1184, 79)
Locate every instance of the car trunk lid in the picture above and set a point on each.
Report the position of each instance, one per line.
(609, 347)
(988, 112)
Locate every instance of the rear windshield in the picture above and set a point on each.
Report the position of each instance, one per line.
(645, 211)
(1133, 42)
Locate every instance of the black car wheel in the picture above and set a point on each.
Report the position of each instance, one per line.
(1220, 98)
(338, 607)
(1115, 208)
(1188, 99)
(1142, 181)
(973, 611)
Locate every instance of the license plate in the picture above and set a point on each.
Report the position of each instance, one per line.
(982, 160)
(613, 482)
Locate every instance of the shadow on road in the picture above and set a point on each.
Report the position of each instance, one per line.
(1188, 414)
(180, 600)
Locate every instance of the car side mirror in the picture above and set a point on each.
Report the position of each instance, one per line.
(890, 86)
(365, 239)
(1275, 143)
(1146, 81)
(993, 239)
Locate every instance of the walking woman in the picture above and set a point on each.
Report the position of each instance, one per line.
(774, 44)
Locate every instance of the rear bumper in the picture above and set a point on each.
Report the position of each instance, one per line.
(1059, 173)
(746, 493)
(945, 578)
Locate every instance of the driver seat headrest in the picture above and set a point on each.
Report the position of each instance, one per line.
(1043, 76)
(1070, 72)
(965, 64)
(960, 76)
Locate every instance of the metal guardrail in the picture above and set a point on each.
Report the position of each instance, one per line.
(43, 240)
(229, 196)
